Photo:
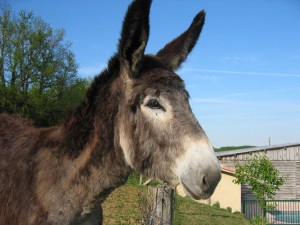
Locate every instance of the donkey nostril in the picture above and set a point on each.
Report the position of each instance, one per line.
(204, 183)
(209, 181)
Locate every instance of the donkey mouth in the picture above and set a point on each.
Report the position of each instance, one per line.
(203, 195)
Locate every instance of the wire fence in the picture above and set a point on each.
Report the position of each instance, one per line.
(277, 211)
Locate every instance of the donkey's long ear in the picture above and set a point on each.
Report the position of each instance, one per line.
(174, 53)
(134, 37)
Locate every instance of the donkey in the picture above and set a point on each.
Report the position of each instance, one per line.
(135, 117)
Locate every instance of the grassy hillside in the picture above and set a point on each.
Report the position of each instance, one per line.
(123, 206)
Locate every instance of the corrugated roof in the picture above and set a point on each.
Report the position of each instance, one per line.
(255, 149)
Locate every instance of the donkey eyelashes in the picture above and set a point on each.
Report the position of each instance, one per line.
(154, 104)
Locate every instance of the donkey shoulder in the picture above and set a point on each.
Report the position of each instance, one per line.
(11, 122)
(14, 130)
(20, 139)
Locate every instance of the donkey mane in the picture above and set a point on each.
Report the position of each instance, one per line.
(80, 125)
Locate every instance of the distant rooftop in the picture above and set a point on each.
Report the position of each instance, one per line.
(227, 169)
(254, 149)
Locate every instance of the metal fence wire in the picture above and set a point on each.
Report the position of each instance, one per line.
(277, 211)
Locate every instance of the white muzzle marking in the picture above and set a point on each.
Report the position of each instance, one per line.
(198, 169)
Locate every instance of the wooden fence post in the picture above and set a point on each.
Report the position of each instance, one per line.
(162, 200)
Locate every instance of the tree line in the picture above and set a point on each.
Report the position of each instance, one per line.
(38, 71)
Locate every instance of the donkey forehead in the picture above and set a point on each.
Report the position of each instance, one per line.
(155, 75)
(157, 82)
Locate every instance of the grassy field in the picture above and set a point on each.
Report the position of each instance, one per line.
(123, 206)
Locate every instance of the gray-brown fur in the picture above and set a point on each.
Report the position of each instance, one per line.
(61, 175)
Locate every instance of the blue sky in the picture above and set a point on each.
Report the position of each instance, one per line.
(243, 76)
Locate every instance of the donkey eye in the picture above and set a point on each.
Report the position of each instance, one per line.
(153, 104)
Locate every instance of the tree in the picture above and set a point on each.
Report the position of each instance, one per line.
(37, 68)
(262, 177)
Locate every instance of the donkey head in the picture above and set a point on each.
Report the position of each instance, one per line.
(157, 131)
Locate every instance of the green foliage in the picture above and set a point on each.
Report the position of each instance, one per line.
(229, 148)
(217, 205)
(262, 177)
(229, 209)
(133, 179)
(258, 220)
(38, 72)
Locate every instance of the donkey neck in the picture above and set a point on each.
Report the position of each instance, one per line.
(90, 133)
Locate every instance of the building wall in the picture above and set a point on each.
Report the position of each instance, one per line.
(227, 193)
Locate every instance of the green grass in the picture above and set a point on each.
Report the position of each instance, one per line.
(190, 212)
(123, 207)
